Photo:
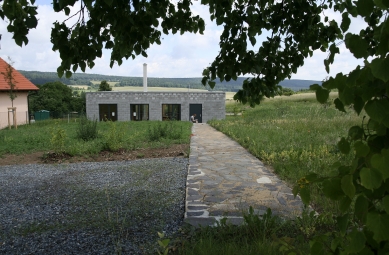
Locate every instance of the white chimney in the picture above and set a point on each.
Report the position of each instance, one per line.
(144, 77)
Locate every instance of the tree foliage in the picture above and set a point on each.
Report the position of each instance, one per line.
(56, 97)
(104, 86)
(293, 31)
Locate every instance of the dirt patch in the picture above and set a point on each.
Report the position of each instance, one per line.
(176, 150)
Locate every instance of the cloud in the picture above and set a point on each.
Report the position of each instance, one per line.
(178, 55)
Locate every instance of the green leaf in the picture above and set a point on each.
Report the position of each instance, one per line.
(339, 105)
(31, 22)
(370, 178)
(60, 71)
(344, 204)
(67, 11)
(68, 74)
(305, 195)
(379, 68)
(342, 222)
(377, 109)
(345, 22)
(378, 224)
(212, 84)
(108, 2)
(355, 133)
(314, 87)
(348, 186)
(361, 208)
(385, 203)
(365, 7)
(357, 241)
(344, 146)
(357, 45)
(358, 104)
(316, 248)
(381, 163)
(332, 188)
(322, 95)
(361, 149)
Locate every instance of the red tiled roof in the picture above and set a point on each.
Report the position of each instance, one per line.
(22, 83)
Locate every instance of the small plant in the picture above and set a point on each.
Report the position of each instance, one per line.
(87, 129)
(163, 244)
(114, 138)
(58, 136)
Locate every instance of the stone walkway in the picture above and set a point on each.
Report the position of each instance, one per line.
(224, 180)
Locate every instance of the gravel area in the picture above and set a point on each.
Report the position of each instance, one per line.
(91, 207)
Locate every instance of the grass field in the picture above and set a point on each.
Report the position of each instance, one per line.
(59, 135)
(295, 135)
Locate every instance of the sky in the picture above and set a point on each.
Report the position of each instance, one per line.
(178, 56)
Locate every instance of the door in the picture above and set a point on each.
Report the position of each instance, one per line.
(198, 110)
(108, 112)
(139, 112)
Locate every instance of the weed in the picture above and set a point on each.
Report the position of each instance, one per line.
(114, 138)
(87, 129)
(58, 136)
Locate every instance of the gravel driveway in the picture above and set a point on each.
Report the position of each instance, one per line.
(90, 208)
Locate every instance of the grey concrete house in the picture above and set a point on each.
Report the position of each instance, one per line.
(137, 106)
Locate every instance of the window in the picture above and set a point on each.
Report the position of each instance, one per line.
(108, 112)
(139, 112)
(171, 112)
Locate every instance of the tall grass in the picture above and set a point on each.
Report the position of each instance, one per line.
(127, 135)
(296, 136)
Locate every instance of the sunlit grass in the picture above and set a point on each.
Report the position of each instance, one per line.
(294, 135)
(134, 135)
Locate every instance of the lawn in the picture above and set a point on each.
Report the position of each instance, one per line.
(61, 136)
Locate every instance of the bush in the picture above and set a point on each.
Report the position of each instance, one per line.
(114, 138)
(160, 131)
(87, 129)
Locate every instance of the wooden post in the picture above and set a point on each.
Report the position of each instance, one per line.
(13, 110)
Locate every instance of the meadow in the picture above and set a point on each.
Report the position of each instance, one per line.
(293, 135)
(62, 136)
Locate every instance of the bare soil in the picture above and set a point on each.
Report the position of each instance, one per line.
(175, 150)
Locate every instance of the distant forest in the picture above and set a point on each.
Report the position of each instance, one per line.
(40, 78)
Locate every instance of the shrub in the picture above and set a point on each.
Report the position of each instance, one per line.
(87, 129)
(58, 136)
(114, 138)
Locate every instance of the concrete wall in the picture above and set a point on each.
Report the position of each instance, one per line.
(213, 103)
(20, 103)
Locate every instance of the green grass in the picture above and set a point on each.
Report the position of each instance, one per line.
(127, 135)
(294, 135)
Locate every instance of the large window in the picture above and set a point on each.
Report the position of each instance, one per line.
(171, 112)
(139, 112)
(108, 112)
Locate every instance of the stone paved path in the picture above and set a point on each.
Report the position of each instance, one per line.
(224, 180)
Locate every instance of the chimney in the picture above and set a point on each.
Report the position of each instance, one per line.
(144, 77)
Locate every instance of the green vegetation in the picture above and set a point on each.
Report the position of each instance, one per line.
(295, 135)
(58, 98)
(61, 136)
(104, 86)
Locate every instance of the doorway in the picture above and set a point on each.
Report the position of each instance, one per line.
(198, 110)
(139, 112)
(108, 112)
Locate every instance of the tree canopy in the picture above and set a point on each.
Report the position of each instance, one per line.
(296, 28)
(104, 86)
(56, 97)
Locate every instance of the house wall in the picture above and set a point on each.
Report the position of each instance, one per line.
(20, 102)
(213, 103)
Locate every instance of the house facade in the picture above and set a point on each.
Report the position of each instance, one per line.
(22, 87)
(138, 106)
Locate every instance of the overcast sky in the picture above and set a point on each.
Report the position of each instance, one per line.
(177, 56)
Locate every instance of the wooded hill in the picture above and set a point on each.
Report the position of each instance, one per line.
(39, 78)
